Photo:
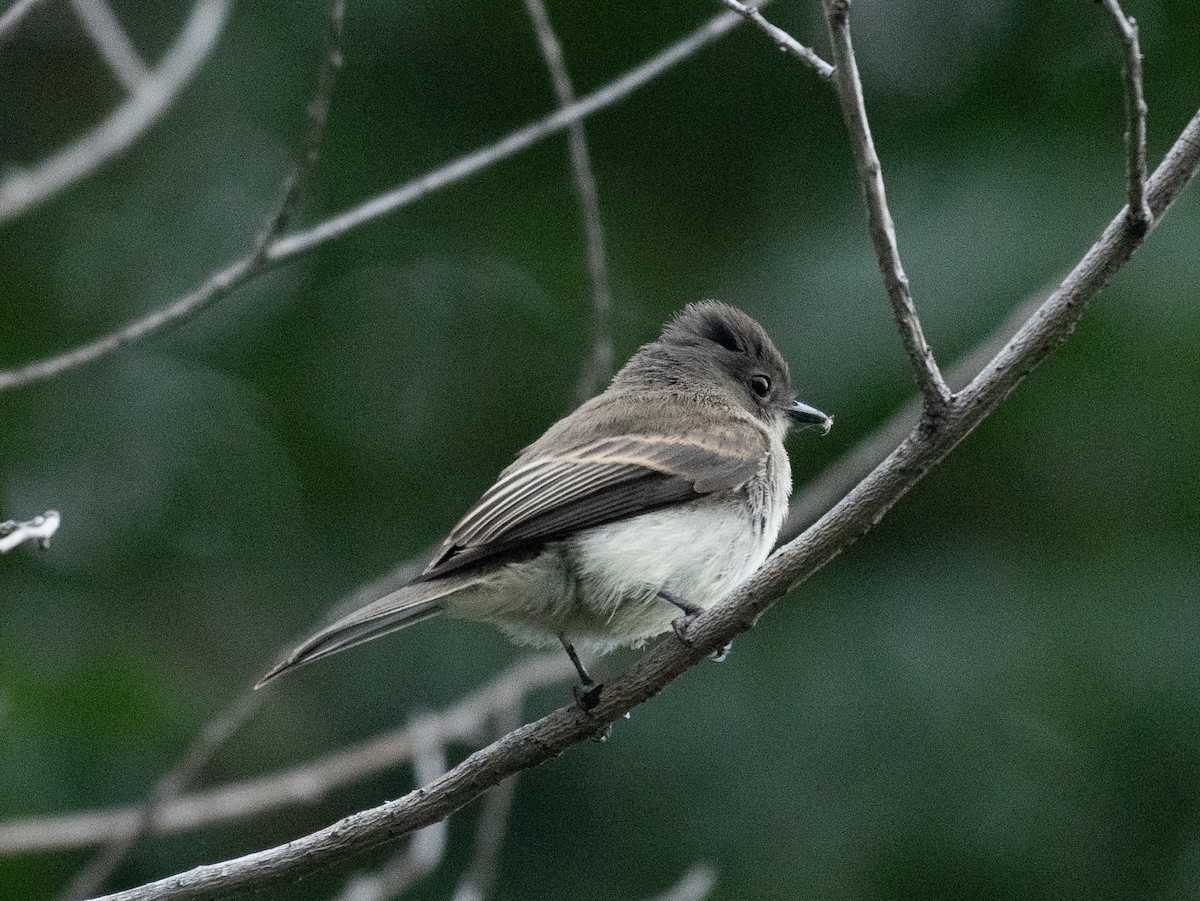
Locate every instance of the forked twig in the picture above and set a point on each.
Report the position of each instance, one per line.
(467, 721)
(791, 565)
(110, 39)
(110, 856)
(1135, 115)
(21, 190)
(223, 281)
(40, 529)
(782, 39)
(883, 231)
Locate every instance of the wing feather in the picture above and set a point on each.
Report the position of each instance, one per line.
(553, 491)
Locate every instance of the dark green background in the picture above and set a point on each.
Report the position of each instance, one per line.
(995, 695)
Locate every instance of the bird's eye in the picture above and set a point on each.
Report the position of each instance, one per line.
(760, 385)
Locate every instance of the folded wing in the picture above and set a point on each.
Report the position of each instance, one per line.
(550, 494)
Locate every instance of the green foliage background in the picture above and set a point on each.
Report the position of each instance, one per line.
(993, 695)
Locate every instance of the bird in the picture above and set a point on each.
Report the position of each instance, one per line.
(629, 516)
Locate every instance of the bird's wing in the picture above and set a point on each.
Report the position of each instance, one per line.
(547, 495)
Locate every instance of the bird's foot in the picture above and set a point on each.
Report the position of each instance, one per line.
(681, 626)
(587, 695)
(719, 655)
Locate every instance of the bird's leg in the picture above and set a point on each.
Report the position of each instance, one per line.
(680, 626)
(587, 692)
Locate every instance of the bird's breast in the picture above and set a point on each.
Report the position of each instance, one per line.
(697, 551)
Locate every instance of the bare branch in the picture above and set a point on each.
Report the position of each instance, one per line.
(426, 848)
(110, 39)
(599, 368)
(782, 39)
(466, 722)
(215, 806)
(23, 189)
(119, 842)
(883, 231)
(235, 274)
(832, 484)
(1135, 114)
(310, 149)
(493, 824)
(696, 885)
(12, 18)
(40, 529)
(788, 567)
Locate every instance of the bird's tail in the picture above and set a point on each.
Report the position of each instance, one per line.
(398, 610)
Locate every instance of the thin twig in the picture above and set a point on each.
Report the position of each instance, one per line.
(883, 231)
(468, 721)
(493, 823)
(23, 189)
(110, 39)
(696, 885)
(426, 848)
(310, 149)
(235, 801)
(12, 18)
(788, 567)
(232, 276)
(40, 529)
(782, 39)
(177, 780)
(599, 368)
(831, 485)
(1135, 115)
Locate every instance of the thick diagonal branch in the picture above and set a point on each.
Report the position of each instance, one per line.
(851, 518)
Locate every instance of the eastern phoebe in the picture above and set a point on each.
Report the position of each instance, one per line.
(657, 496)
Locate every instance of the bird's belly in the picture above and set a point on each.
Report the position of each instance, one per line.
(697, 554)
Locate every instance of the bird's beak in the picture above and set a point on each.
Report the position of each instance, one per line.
(803, 414)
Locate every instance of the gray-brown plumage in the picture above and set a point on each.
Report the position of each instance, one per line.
(671, 484)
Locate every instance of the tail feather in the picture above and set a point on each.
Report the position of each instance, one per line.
(398, 610)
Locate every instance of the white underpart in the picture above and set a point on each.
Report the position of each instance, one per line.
(600, 588)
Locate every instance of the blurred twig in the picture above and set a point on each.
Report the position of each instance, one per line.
(23, 189)
(310, 148)
(427, 846)
(225, 280)
(832, 484)
(120, 841)
(119, 844)
(1135, 114)
(599, 368)
(110, 39)
(40, 529)
(467, 721)
(921, 450)
(12, 17)
(477, 881)
(696, 885)
(883, 231)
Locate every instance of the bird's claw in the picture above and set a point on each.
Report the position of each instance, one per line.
(681, 626)
(587, 695)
